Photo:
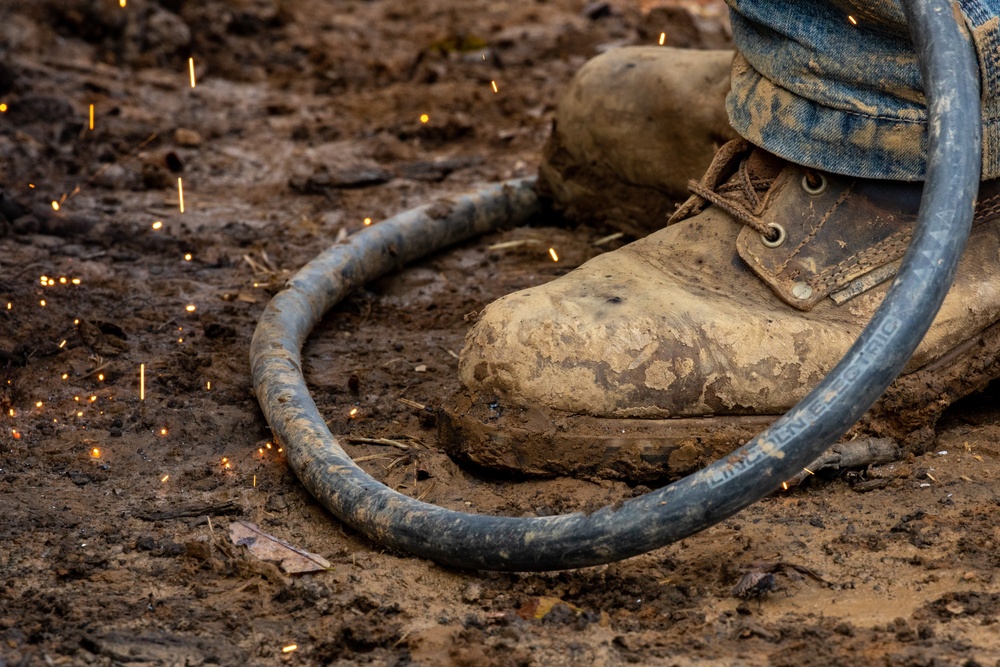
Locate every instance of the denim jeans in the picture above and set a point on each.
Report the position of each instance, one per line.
(835, 84)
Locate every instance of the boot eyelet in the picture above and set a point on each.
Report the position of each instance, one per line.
(814, 190)
(778, 240)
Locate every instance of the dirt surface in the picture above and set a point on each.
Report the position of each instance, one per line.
(116, 510)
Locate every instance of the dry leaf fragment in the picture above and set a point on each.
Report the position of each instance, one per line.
(270, 548)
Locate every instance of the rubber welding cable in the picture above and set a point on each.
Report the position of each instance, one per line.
(691, 504)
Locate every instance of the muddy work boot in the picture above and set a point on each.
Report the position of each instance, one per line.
(655, 359)
(635, 125)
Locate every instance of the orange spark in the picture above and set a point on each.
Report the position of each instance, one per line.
(191, 69)
(180, 192)
(553, 255)
(91, 116)
(158, 224)
(663, 38)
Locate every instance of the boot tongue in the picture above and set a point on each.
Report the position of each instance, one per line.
(764, 166)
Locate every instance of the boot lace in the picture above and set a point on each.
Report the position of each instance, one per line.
(736, 191)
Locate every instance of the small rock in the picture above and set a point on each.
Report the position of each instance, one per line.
(79, 478)
(472, 592)
(187, 138)
(276, 504)
(146, 543)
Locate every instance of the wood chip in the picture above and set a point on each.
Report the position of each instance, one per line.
(412, 404)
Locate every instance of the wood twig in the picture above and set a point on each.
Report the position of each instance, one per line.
(503, 245)
(379, 441)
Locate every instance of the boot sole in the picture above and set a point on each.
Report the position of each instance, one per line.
(538, 442)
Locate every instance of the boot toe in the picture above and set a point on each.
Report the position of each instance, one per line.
(619, 337)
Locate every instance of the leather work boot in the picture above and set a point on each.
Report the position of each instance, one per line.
(655, 359)
(634, 126)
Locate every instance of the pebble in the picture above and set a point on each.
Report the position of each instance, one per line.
(187, 138)
(472, 592)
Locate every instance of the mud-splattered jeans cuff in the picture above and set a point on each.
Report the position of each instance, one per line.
(784, 99)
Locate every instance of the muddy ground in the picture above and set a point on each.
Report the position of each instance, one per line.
(306, 119)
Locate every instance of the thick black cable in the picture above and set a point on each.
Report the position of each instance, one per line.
(688, 505)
